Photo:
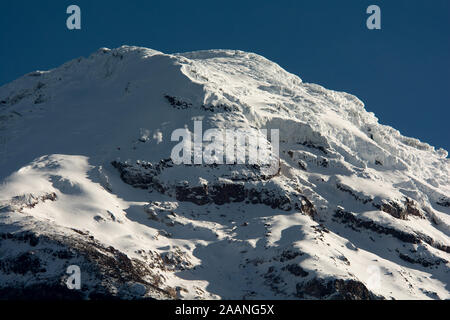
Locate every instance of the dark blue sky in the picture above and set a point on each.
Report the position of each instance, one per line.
(400, 72)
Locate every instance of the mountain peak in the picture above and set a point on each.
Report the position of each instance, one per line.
(86, 163)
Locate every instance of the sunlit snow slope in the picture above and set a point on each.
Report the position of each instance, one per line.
(357, 211)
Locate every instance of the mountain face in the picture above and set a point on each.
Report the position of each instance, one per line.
(354, 210)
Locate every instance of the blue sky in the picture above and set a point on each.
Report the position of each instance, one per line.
(401, 72)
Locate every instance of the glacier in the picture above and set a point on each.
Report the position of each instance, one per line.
(357, 210)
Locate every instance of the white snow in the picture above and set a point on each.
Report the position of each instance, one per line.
(60, 130)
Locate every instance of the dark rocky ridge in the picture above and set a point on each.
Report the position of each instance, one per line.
(235, 189)
(107, 272)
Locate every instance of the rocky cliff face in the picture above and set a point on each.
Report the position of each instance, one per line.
(354, 211)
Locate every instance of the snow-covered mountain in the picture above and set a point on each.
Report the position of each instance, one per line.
(356, 211)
